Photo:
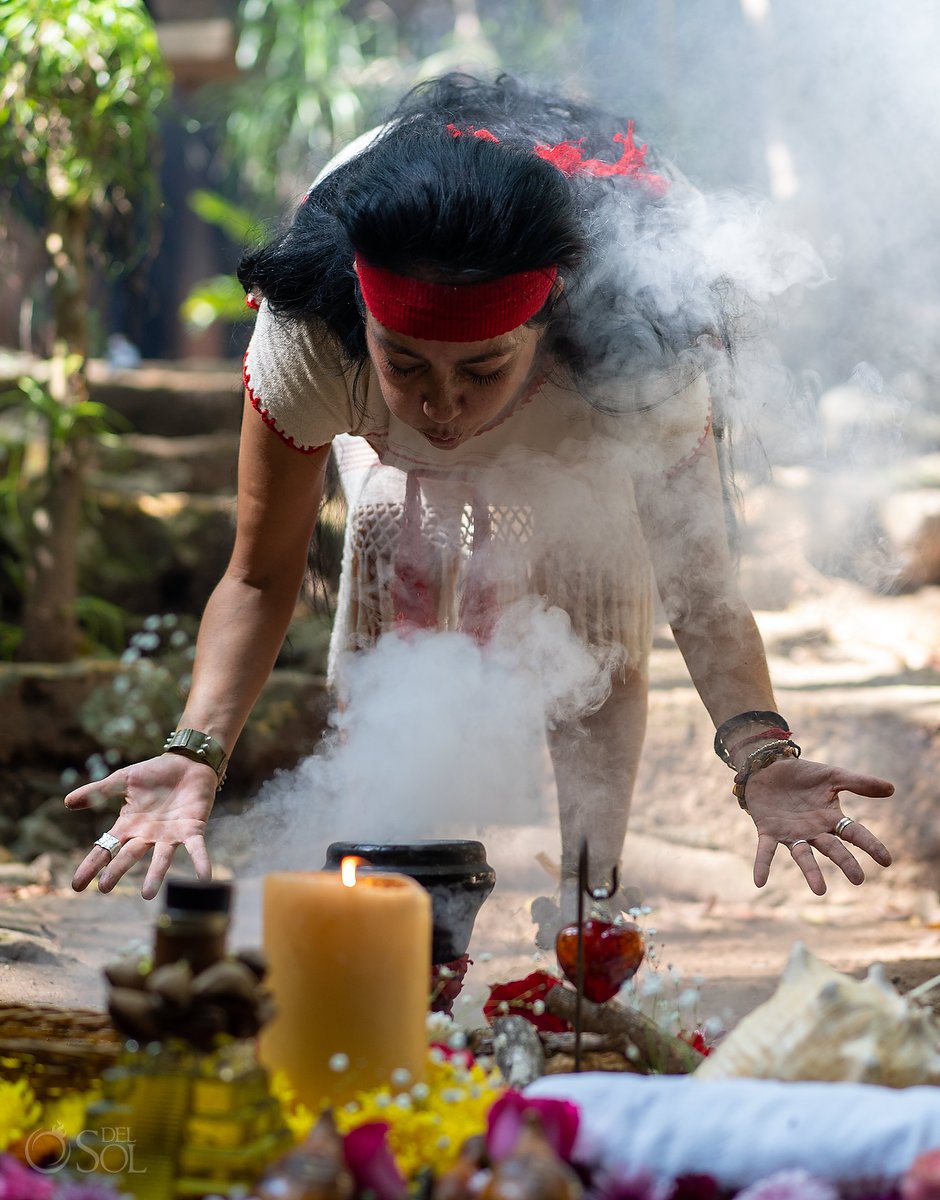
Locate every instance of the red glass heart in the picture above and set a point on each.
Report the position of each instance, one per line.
(612, 954)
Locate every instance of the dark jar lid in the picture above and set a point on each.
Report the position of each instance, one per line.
(198, 896)
(412, 857)
(455, 873)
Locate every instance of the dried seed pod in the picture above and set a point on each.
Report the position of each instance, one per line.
(127, 973)
(254, 960)
(135, 1013)
(533, 1171)
(241, 1017)
(172, 983)
(200, 1024)
(226, 978)
(315, 1171)
(458, 1182)
(266, 1009)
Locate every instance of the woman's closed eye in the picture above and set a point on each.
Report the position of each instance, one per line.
(489, 377)
(482, 380)
(395, 369)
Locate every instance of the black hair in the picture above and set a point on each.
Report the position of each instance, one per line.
(420, 200)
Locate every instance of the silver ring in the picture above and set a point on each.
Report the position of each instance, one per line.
(799, 842)
(843, 825)
(109, 842)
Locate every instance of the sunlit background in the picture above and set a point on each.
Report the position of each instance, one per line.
(829, 110)
(202, 123)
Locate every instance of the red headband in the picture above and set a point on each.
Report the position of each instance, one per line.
(445, 312)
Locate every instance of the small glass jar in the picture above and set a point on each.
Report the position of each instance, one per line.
(194, 924)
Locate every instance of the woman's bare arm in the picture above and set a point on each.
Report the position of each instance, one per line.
(168, 798)
(243, 627)
(792, 802)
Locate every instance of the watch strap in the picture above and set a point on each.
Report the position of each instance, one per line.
(200, 747)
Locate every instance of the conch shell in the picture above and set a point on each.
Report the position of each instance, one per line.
(823, 1025)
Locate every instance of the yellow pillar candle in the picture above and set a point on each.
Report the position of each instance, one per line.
(349, 971)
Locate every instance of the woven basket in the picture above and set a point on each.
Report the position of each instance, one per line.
(57, 1049)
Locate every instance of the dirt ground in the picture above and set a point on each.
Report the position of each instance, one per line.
(858, 677)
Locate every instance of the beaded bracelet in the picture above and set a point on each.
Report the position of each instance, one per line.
(765, 735)
(757, 760)
(745, 718)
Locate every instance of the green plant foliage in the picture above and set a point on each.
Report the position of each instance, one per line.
(37, 425)
(103, 623)
(237, 223)
(62, 422)
(82, 82)
(131, 716)
(34, 426)
(312, 79)
(221, 298)
(10, 638)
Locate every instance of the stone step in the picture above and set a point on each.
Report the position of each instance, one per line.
(155, 551)
(49, 727)
(149, 463)
(168, 399)
(172, 399)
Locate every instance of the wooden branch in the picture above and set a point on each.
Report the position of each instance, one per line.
(657, 1052)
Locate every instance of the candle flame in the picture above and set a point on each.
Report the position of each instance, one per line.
(347, 869)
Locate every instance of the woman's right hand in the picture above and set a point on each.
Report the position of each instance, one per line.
(167, 801)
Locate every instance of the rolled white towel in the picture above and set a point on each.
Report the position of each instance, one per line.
(742, 1130)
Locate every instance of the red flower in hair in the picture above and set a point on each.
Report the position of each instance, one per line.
(472, 130)
(569, 158)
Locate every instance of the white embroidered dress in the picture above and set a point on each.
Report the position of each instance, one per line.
(545, 494)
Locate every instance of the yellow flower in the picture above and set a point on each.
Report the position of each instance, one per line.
(67, 1113)
(20, 1111)
(298, 1118)
(427, 1125)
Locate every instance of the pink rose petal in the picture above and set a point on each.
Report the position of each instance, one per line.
(504, 1124)
(372, 1162)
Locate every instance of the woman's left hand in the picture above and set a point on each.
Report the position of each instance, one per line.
(796, 803)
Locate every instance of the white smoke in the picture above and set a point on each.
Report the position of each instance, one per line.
(439, 737)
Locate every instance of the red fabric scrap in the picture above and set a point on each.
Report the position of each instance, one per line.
(520, 996)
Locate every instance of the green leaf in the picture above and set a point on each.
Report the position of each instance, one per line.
(237, 223)
(104, 623)
(221, 298)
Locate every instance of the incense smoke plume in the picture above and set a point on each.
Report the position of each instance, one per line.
(439, 737)
(830, 113)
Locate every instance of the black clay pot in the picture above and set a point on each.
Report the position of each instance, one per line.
(455, 873)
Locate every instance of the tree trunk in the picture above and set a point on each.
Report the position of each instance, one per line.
(50, 632)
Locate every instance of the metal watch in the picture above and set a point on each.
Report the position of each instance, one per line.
(200, 747)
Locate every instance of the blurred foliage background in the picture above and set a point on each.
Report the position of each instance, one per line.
(143, 143)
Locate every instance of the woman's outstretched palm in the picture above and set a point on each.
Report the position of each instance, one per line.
(167, 801)
(796, 803)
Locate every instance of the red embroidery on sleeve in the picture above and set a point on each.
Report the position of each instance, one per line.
(690, 458)
(265, 416)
